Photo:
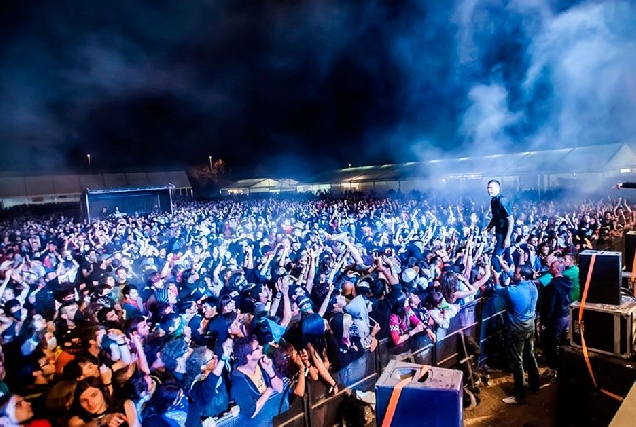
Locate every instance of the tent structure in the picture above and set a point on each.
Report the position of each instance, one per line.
(587, 167)
(26, 190)
(261, 185)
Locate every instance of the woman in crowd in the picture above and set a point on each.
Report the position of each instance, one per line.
(139, 389)
(402, 319)
(93, 406)
(226, 325)
(289, 365)
(321, 348)
(457, 290)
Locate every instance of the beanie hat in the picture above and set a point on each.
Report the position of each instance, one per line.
(304, 304)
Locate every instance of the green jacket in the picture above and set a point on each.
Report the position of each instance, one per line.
(572, 272)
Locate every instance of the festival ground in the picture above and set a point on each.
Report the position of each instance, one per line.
(539, 410)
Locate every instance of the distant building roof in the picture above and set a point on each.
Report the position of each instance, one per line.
(588, 159)
(30, 186)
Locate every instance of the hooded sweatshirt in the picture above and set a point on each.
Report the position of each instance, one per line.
(556, 300)
(357, 308)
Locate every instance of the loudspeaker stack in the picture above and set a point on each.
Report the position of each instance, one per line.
(605, 283)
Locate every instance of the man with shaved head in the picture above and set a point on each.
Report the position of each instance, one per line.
(555, 315)
(502, 222)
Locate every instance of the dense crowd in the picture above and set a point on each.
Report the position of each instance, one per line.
(232, 306)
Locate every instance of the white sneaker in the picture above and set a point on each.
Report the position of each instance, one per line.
(511, 400)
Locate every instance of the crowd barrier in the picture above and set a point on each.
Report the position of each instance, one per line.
(480, 320)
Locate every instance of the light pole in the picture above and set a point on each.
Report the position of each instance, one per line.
(88, 157)
(210, 162)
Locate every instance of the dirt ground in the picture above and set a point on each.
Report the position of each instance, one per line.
(538, 410)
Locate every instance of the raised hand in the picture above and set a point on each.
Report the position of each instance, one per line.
(267, 364)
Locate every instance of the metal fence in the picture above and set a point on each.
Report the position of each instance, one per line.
(480, 320)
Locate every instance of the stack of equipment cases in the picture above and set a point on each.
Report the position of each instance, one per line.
(608, 329)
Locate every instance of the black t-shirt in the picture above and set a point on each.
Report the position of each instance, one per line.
(500, 208)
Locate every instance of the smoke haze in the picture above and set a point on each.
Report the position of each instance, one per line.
(290, 88)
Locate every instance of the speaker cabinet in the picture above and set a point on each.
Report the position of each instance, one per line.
(630, 250)
(435, 399)
(605, 284)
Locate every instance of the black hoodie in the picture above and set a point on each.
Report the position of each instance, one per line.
(556, 300)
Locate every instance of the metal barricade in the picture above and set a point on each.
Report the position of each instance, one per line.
(480, 320)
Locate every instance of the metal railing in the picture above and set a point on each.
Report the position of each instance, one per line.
(480, 320)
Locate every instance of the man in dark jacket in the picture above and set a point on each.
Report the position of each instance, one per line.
(502, 221)
(555, 315)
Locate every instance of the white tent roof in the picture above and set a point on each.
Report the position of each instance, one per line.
(45, 185)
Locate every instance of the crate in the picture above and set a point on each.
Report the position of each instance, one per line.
(609, 329)
(432, 400)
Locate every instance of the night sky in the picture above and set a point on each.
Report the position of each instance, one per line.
(289, 88)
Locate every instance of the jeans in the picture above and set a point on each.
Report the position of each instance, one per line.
(500, 250)
(552, 337)
(520, 350)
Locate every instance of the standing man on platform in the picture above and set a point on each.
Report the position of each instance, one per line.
(501, 221)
